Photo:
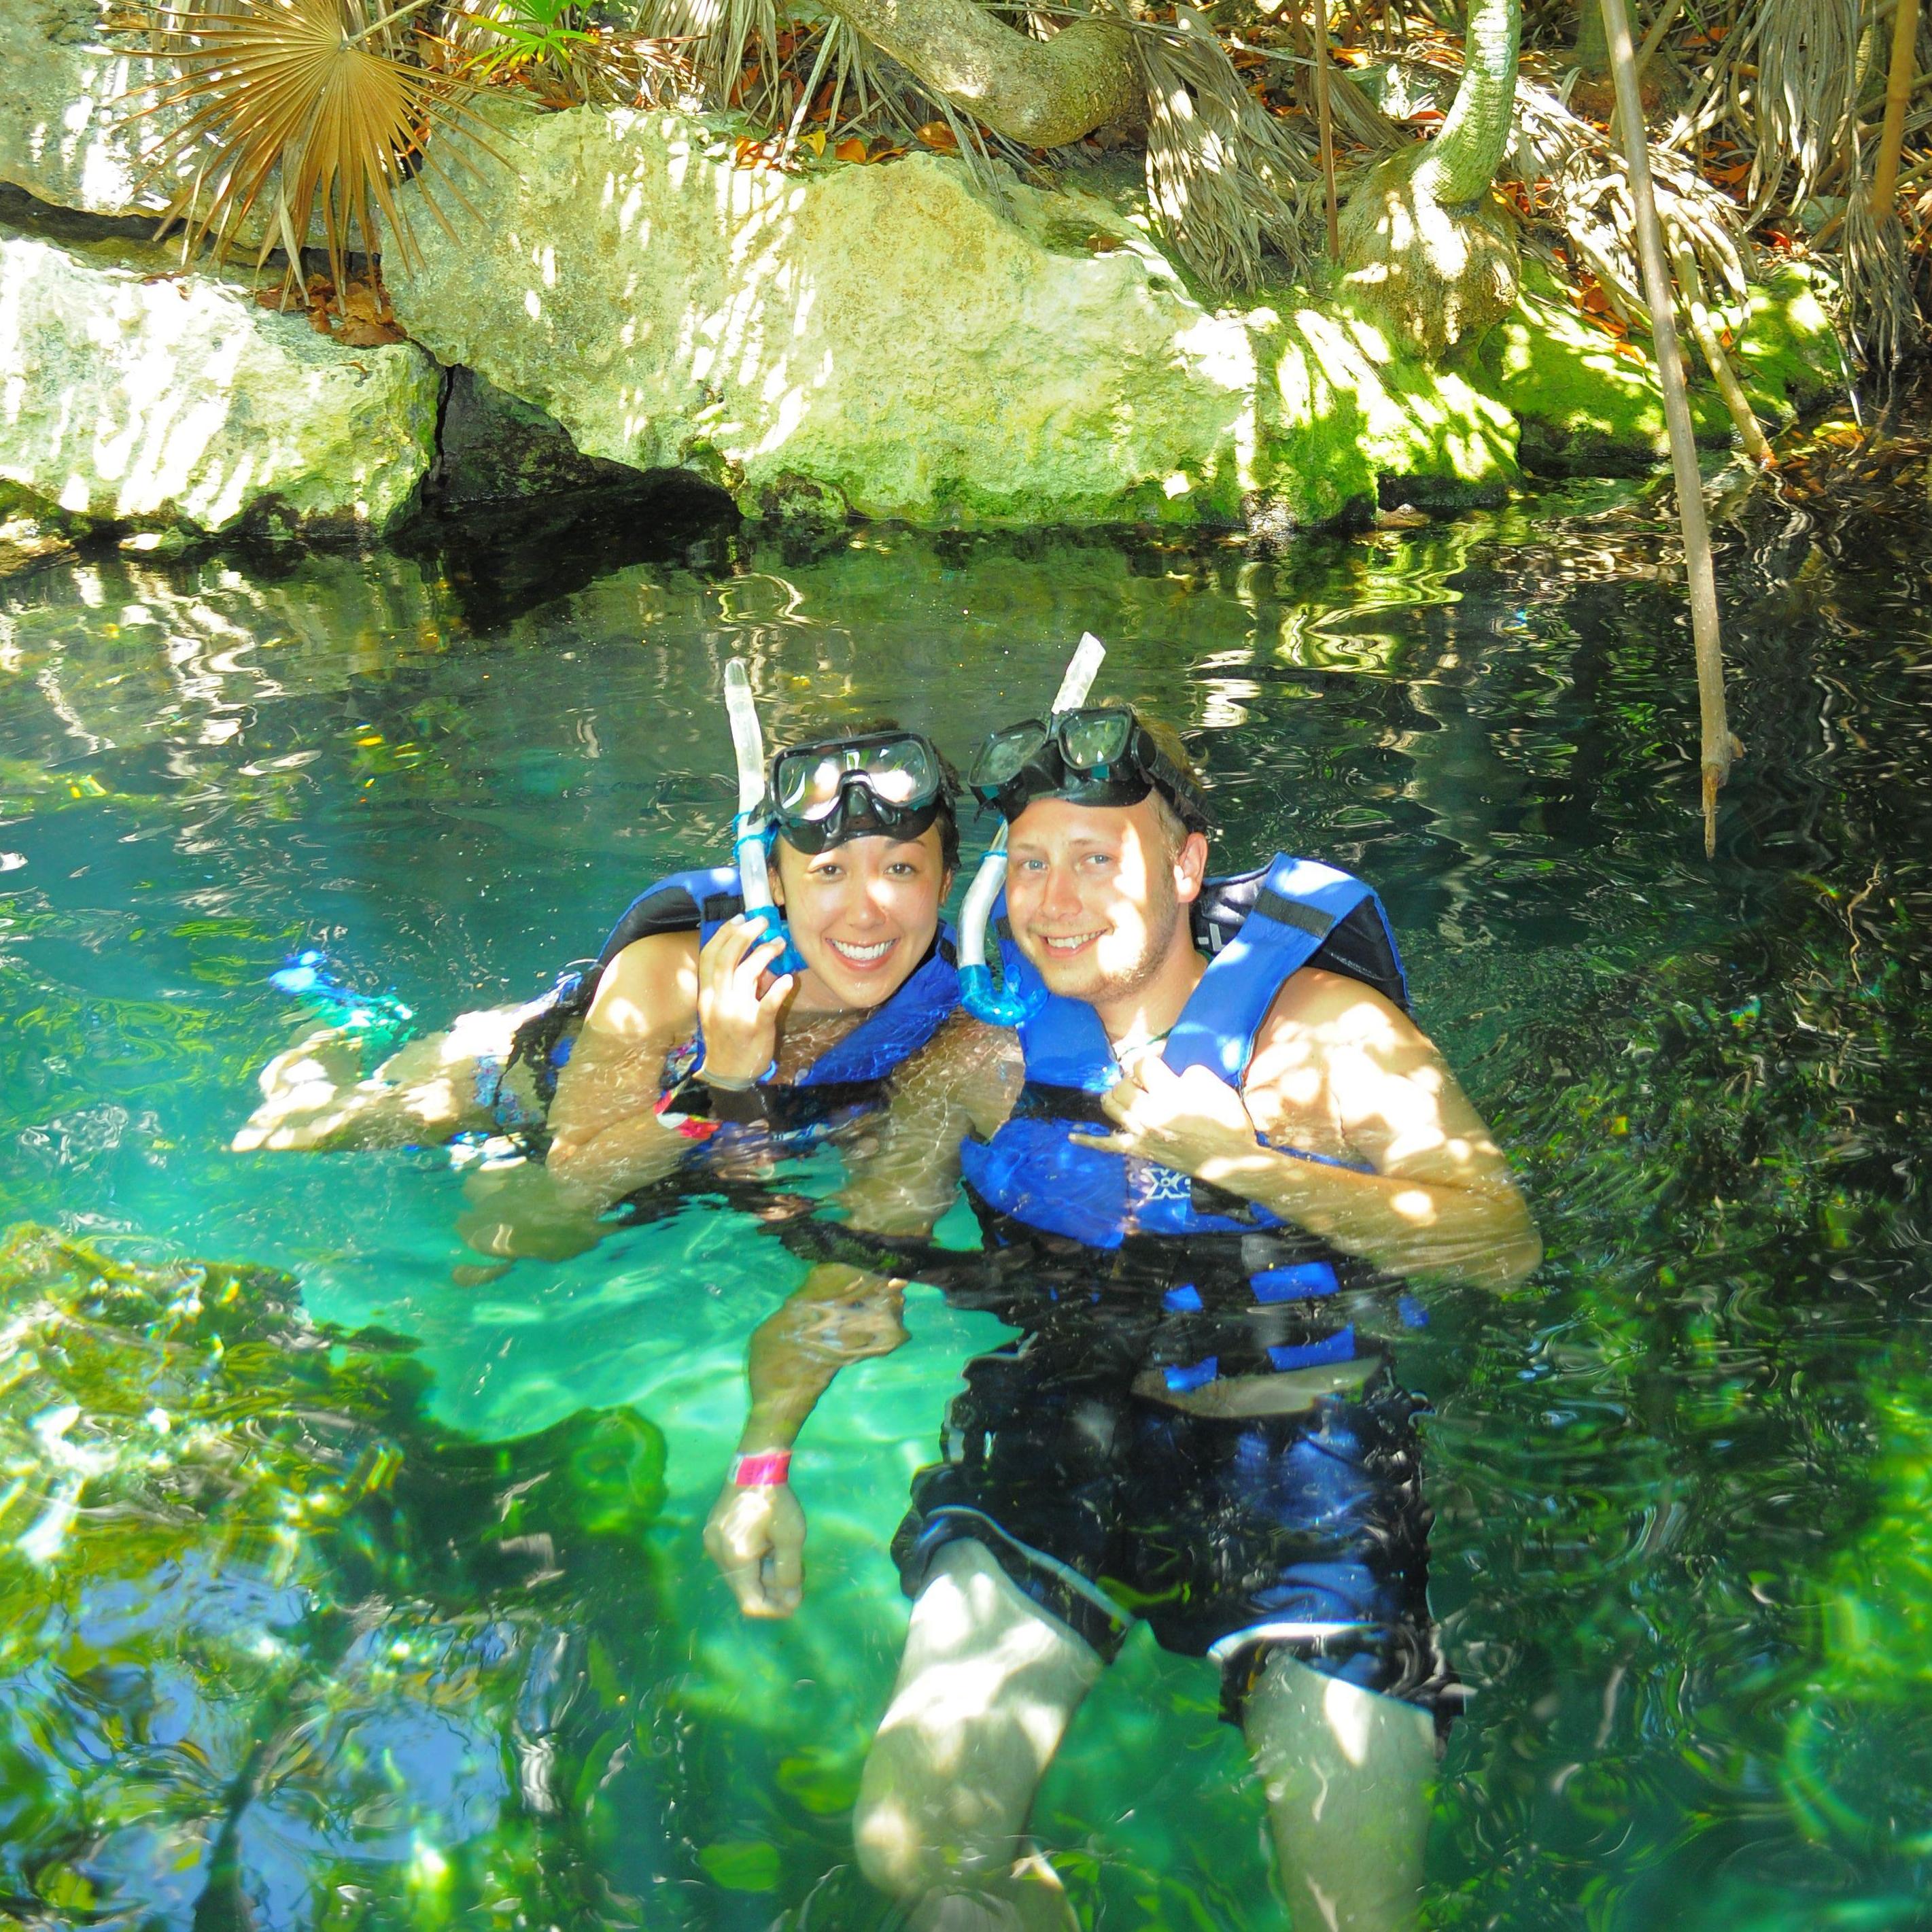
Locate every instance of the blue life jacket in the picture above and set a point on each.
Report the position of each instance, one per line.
(851, 1073)
(1259, 928)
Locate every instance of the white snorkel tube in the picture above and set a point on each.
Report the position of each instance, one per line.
(750, 848)
(1001, 1005)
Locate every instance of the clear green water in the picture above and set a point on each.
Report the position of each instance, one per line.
(373, 1636)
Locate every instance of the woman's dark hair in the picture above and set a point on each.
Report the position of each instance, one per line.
(951, 790)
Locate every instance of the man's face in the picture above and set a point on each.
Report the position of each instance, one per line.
(863, 913)
(1096, 896)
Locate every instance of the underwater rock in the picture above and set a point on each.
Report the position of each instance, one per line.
(132, 392)
(269, 1638)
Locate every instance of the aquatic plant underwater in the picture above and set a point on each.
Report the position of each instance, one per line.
(343, 1589)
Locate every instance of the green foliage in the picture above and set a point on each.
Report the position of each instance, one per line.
(530, 34)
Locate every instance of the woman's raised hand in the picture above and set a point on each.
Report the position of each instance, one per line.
(738, 1016)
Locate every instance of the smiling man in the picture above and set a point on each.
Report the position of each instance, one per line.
(1221, 1154)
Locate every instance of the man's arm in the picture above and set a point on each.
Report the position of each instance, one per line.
(963, 1081)
(1338, 1071)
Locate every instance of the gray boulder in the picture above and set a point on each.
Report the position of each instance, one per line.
(65, 136)
(131, 392)
(905, 341)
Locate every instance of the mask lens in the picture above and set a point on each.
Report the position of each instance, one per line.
(902, 773)
(1005, 753)
(807, 783)
(1091, 738)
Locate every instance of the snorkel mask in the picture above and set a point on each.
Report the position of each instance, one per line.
(886, 784)
(883, 783)
(1008, 1005)
(1102, 754)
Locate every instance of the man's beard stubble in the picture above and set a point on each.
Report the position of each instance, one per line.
(1100, 985)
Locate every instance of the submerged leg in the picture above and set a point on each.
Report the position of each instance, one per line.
(1348, 1775)
(985, 1690)
(315, 1099)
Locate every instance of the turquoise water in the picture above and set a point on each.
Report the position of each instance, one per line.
(415, 1629)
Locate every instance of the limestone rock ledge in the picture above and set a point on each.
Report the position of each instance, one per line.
(68, 130)
(905, 341)
(131, 392)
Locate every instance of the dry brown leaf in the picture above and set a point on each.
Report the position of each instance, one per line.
(358, 333)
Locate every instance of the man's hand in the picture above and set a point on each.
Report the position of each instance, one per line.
(1193, 1122)
(755, 1534)
(738, 1016)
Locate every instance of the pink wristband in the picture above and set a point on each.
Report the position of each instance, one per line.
(763, 1471)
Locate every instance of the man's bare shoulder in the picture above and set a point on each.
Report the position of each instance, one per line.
(1319, 1006)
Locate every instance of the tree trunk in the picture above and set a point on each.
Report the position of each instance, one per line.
(1430, 251)
(1461, 161)
(1040, 93)
(1592, 52)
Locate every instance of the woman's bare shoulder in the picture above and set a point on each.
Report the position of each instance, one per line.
(649, 990)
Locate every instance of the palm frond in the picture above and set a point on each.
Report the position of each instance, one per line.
(302, 113)
(1224, 180)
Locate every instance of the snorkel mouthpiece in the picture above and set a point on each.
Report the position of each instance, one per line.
(1008, 1005)
(751, 836)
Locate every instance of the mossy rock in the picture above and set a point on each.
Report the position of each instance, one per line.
(1590, 404)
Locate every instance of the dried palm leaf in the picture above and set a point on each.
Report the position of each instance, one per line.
(300, 112)
(1224, 179)
(1880, 316)
(759, 58)
(1582, 183)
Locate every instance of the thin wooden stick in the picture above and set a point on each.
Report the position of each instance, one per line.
(1318, 26)
(1751, 432)
(1897, 93)
(1654, 39)
(1719, 747)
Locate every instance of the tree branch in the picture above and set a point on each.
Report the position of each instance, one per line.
(1040, 93)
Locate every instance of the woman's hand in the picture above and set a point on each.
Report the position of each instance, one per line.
(738, 1004)
(755, 1534)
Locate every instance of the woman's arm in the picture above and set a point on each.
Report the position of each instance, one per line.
(606, 1140)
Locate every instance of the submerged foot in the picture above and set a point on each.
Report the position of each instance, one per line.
(305, 1092)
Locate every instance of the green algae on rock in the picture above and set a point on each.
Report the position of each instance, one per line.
(1591, 405)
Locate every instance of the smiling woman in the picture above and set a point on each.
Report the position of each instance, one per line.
(687, 1031)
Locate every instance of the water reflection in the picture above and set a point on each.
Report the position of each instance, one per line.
(1679, 1553)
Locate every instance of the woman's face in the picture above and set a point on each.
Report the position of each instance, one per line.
(861, 914)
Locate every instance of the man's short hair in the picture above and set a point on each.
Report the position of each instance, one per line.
(1169, 743)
